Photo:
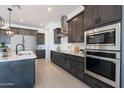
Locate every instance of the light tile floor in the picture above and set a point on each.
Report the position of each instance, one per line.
(49, 75)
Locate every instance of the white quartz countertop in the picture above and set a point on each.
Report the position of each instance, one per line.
(21, 56)
(71, 53)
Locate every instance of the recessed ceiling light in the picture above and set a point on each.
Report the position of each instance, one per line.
(21, 20)
(49, 9)
(41, 24)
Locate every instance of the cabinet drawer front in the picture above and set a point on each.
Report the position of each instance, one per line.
(77, 65)
(94, 82)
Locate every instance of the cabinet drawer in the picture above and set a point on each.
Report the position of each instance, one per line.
(77, 65)
(95, 83)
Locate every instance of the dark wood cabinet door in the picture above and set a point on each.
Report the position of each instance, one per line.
(70, 63)
(76, 29)
(40, 53)
(40, 38)
(57, 40)
(109, 13)
(70, 36)
(27, 32)
(80, 28)
(22, 31)
(53, 56)
(18, 31)
(90, 16)
(76, 68)
(98, 15)
(34, 32)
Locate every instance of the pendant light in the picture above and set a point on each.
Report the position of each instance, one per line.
(9, 32)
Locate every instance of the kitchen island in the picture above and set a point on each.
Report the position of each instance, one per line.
(18, 71)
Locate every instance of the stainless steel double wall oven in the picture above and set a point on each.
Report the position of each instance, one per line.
(103, 54)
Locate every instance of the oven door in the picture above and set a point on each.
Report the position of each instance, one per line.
(104, 38)
(104, 69)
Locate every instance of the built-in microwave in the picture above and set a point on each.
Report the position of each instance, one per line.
(104, 38)
(104, 66)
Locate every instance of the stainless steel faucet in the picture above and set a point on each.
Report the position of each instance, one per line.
(17, 48)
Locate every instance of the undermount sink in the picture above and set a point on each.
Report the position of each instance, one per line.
(24, 53)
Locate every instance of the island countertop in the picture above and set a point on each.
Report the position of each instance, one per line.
(21, 56)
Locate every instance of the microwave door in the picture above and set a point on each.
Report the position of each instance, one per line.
(105, 38)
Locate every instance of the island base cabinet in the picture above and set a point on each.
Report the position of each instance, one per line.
(17, 74)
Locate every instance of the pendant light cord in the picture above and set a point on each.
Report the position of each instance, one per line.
(9, 16)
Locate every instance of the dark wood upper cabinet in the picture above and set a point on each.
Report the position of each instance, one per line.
(40, 38)
(80, 28)
(109, 13)
(90, 16)
(22, 31)
(97, 15)
(57, 40)
(75, 29)
(70, 32)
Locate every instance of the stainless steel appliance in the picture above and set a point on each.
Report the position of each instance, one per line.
(64, 27)
(105, 38)
(104, 65)
(103, 54)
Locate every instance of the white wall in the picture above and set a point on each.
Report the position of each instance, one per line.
(49, 39)
(65, 45)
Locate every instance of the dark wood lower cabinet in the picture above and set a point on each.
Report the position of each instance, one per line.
(95, 83)
(75, 66)
(70, 63)
(40, 53)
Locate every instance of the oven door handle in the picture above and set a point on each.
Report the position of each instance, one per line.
(103, 58)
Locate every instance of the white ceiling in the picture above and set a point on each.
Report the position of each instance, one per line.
(34, 15)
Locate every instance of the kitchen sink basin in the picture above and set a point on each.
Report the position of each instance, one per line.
(24, 53)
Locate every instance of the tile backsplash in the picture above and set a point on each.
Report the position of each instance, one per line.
(65, 46)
